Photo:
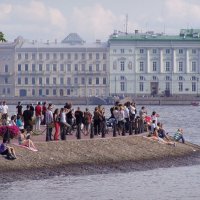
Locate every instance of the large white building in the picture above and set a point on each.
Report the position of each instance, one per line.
(134, 64)
(154, 64)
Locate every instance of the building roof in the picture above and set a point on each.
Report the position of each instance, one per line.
(73, 38)
(185, 35)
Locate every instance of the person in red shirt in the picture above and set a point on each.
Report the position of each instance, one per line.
(38, 116)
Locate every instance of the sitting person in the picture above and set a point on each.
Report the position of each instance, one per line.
(19, 122)
(179, 135)
(24, 140)
(7, 150)
(161, 132)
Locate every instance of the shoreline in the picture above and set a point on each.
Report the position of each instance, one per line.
(86, 156)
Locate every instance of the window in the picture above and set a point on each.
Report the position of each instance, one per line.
(97, 80)
(40, 80)
(26, 81)
(104, 67)
(122, 86)
(76, 67)
(167, 86)
(69, 67)
(26, 67)
(47, 56)
(83, 56)
(40, 67)
(180, 86)
(6, 80)
(61, 92)
(194, 51)
(90, 68)
(193, 86)
(33, 68)
(141, 86)
(47, 80)
(180, 78)
(97, 67)
(141, 51)
(47, 91)
(33, 80)
(54, 80)
(167, 66)
(89, 81)
(69, 56)
(54, 56)
(54, 92)
(54, 67)
(83, 80)
(90, 56)
(180, 51)
(19, 68)
(154, 66)
(76, 56)
(19, 56)
(167, 51)
(167, 78)
(83, 67)
(75, 80)
(26, 56)
(61, 56)
(40, 92)
(47, 67)
(33, 92)
(122, 50)
(6, 68)
(180, 66)
(104, 81)
(104, 56)
(122, 65)
(154, 51)
(33, 56)
(68, 81)
(194, 66)
(61, 80)
(19, 82)
(193, 78)
(62, 67)
(141, 78)
(141, 66)
(97, 56)
(154, 78)
(8, 90)
(40, 56)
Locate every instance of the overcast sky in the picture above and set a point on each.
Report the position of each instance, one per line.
(94, 19)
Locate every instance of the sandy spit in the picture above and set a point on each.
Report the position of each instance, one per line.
(90, 156)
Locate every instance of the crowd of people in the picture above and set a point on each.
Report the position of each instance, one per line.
(60, 122)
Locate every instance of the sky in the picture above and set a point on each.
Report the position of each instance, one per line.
(94, 19)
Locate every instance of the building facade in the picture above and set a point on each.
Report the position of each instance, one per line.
(154, 64)
(134, 64)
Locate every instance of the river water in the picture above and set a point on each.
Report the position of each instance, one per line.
(159, 184)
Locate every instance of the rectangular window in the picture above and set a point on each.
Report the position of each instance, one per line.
(83, 80)
(19, 82)
(40, 56)
(33, 80)
(69, 56)
(104, 67)
(75, 80)
(194, 66)
(154, 66)
(68, 81)
(26, 56)
(122, 65)
(83, 67)
(83, 56)
(90, 68)
(33, 56)
(104, 56)
(54, 67)
(97, 56)
(104, 81)
(97, 80)
(62, 67)
(61, 56)
(47, 56)
(154, 51)
(97, 67)
(69, 67)
(180, 66)
(90, 56)
(26, 81)
(76, 67)
(141, 51)
(141, 85)
(167, 66)
(61, 80)
(47, 91)
(33, 68)
(33, 92)
(54, 56)
(40, 92)
(54, 80)
(19, 68)
(141, 67)
(40, 67)
(167, 86)
(193, 86)
(89, 81)
(47, 80)
(26, 67)
(122, 50)
(40, 80)
(122, 86)
(54, 92)
(6, 80)
(180, 86)
(180, 51)
(47, 67)
(167, 51)
(194, 51)
(75, 56)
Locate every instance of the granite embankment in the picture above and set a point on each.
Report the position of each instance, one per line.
(88, 156)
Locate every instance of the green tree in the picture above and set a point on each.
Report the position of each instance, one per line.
(2, 39)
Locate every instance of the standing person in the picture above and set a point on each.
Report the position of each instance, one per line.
(19, 108)
(44, 109)
(32, 109)
(49, 122)
(87, 121)
(64, 126)
(4, 112)
(1, 109)
(38, 116)
(27, 116)
(79, 121)
(142, 114)
(56, 119)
